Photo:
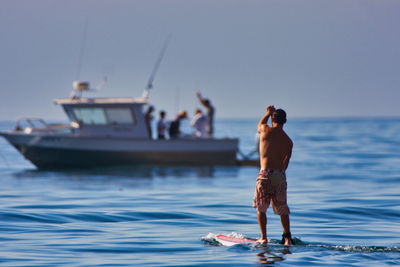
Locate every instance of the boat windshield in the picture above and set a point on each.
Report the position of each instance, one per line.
(102, 116)
(119, 116)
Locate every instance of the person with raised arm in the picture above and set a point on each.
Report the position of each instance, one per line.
(210, 113)
(275, 152)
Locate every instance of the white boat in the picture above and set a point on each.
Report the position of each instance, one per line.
(110, 131)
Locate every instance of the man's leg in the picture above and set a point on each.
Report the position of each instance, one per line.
(286, 228)
(262, 221)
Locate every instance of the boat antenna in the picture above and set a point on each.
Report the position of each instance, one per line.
(157, 65)
(80, 86)
(82, 49)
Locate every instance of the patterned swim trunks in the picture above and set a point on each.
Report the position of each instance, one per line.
(271, 186)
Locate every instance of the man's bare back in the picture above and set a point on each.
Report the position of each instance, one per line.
(275, 145)
(275, 149)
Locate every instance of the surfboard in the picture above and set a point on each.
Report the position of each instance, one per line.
(231, 241)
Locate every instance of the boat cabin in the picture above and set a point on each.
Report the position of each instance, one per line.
(107, 117)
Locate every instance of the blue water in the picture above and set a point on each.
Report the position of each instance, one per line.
(343, 191)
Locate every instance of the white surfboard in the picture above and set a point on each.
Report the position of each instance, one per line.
(231, 241)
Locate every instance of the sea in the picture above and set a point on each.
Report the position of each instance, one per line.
(343, 192)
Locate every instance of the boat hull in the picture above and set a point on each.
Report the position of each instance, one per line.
(56, 151)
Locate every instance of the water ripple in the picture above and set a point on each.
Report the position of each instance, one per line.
(343, 183)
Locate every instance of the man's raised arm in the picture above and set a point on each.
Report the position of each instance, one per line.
(263, 122)
(200, 98)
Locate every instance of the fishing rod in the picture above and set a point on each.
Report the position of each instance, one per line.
(157, 65)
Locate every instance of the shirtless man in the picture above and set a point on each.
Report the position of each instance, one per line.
(275, 152)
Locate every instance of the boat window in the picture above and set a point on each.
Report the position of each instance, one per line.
(69, 114)
(37, 123)
(90, 115)
(120, 116)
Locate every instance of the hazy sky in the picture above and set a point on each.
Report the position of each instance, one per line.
(310, 57)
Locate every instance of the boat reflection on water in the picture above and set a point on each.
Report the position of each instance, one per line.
(123, 178)
(133, 172)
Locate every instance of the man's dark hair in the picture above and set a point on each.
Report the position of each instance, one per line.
(150, 109)
(279, 116)
(162, 113)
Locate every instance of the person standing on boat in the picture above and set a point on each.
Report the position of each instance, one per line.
(199, 123)
(161, 125)
(174, 127)
(149, 118)
(275, 152)
(210, 113)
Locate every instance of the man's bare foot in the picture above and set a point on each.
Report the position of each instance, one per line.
(288, 242)
(287, 239)
(262, 241)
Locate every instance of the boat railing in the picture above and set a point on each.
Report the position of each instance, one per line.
(30, 125)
